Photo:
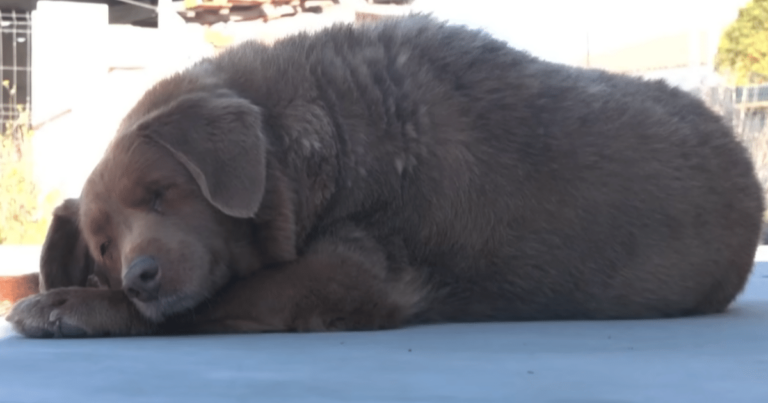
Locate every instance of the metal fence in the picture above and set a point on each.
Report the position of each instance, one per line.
(15, 67)
(752, 94)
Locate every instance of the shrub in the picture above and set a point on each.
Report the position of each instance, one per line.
(24, 217)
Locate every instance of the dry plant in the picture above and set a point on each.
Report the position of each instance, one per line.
(24, 215)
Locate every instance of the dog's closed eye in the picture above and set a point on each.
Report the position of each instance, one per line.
(157, 198)
(104, 248)
(157, 195)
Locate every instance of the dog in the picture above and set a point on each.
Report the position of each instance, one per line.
(394, 173)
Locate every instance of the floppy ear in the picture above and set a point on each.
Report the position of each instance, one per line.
(65, 260)
(218, 137)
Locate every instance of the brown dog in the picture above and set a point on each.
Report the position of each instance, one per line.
(400, 172)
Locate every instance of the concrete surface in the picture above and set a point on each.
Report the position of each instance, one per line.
(719, 359)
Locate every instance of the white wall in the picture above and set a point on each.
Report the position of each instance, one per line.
(65, 35)
(74, 50)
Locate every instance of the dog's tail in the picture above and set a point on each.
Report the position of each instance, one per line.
(14, 288)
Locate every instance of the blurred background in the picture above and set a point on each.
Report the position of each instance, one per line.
(71, 69)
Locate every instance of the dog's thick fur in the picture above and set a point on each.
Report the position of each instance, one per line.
(405, 171)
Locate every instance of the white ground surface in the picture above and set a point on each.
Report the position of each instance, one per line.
(719, 358)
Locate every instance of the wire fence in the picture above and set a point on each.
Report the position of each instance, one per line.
(15, 67)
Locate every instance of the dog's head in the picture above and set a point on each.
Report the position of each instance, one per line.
(172, 211)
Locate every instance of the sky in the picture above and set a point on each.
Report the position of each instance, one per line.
(557, 30)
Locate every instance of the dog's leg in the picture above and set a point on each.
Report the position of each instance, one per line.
(342, 283)
(78, 312)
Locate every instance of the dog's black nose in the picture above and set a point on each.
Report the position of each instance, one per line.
(142, 280)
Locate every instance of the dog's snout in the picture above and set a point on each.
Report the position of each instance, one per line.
(142, 280)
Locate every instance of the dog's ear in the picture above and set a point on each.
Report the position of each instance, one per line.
(65, 260)
(218, 137)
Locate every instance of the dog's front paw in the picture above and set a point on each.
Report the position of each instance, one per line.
(75, 312)
(51, 314)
